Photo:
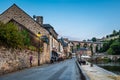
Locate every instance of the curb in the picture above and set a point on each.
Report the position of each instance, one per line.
(84, 76)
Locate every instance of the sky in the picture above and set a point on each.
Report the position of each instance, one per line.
(73, 19)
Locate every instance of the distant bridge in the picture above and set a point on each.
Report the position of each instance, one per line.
(88, 44)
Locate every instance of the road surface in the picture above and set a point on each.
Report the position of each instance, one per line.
(65, 70)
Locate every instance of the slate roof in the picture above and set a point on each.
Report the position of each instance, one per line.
(48, 27)
(63, 42)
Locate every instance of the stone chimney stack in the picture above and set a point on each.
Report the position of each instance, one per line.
(38, 19)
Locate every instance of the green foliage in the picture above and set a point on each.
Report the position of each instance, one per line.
(107, 36)
(41, 49)
(115, 33)
(91, 48)
(10, 36)
(114, 48)
(118, 60)
(97, 48)
(119, 36)
(106, 46)
(78, 47)
(32, 48)
(94, 39)
(110, 51)
(26, 37)
(85, 45)
(106, 60)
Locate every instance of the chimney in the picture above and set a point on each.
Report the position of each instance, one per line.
(39, 19)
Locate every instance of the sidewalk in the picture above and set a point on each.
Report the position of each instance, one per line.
(97, 73)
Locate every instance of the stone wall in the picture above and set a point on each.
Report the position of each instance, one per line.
(13, 60)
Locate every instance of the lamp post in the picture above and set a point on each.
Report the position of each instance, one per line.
(39, 35)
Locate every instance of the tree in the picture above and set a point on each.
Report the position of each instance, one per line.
(94, 39)
(85, 45)
(84, 40)
(78, 46)
(110, 51)
(111, 41)
(107, 36)
(97, 48)
(119, 36)
(106, 46)
(114, 48)
(91, 47)
(114, 32)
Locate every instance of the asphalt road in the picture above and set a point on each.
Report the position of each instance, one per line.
(65, 70)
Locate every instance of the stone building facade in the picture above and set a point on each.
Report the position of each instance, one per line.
(24, 21)
(53, 41)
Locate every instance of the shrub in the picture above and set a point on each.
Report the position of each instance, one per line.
(32, 48)
(114, 48)
(106, 60)
(10, 36)
(26, 38)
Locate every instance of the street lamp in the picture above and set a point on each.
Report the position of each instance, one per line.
(39, 35)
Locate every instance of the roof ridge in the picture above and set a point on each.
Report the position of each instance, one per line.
(21, 10)
(14, 5)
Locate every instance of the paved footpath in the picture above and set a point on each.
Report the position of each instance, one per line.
(97, 73)
(65, 70)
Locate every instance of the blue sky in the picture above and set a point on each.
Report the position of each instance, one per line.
(75, 19)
